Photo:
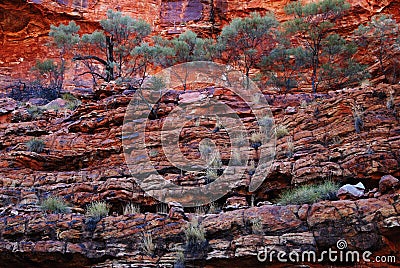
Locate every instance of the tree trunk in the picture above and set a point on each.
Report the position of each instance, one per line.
(110, 59)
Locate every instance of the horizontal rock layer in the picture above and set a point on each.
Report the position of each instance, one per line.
(70, 240)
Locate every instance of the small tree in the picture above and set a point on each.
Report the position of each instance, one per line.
(111, 47)
(50, 71)
(338, 69)
(245, 41)
(65, 38)
(282, 66)
(314, 23)
(143, 57)
(381, 38)
(187, 47)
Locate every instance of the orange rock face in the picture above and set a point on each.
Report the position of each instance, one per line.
(84, 160)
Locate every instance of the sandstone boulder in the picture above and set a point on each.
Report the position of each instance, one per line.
(387, 183)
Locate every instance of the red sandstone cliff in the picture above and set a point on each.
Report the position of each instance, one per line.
(25, 24)
(83, 159)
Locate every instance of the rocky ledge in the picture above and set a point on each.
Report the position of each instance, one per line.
(72, 240)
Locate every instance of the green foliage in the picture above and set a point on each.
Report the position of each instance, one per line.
(54, 205)
(35, 111)
(72, 102)
(245, 41)
(339, 69)
(35, 145)
(186, 47)
(50, 72)
(313, 22)
(195, 237)
(112, 46)
(143, 57)
(282, 66)
(381, 38)
(97, 210)
(308, 194)
(65, 37)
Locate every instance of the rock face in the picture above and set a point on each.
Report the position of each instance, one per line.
(67, 241)
(83, 161)
(388, 183)
(25, 24)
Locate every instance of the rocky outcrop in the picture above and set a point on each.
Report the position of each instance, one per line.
(35, 239)
(83, 161)
(83, 158)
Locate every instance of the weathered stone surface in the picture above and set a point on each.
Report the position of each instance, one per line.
(228, 234)
(387, 183)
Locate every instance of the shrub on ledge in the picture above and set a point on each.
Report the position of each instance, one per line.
(308, 194)
(35, 145)
(54, 204)
(97, 210)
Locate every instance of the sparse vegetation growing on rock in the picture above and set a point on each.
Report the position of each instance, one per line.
(257, 226)
(147, 244)
(162, 208)
(72, 102)
(54, 204)
(35, 145)
(281, 131)
(97, 210)
(358, 115)
(131, 208)
(308, 194)
(256, 139)
(179, 260)
(195, 238)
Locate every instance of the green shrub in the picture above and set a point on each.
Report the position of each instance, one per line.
(97, 210)
(72, 102)
(179, 260)
(257, 226)
(35, 145)
(308, 194)
(54, 204)
(195, 237)
(281, 131)
(35, 111)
